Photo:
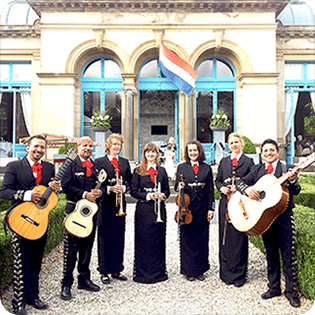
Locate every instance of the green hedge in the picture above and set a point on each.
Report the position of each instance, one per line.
(305, 241)
(55, 234)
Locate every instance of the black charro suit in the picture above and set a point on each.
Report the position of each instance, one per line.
(194, 237)
(28, 254)
(233, 245)
(281, 234)
(74, 184)
(111, 228)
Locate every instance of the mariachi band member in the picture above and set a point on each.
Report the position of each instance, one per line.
(233, 245)
(20, 178)
(194, 237)
(112, 209)
(280, 237)
(150, 187)
(78, 182)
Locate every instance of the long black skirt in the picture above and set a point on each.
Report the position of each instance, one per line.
(233, 255)
(149, 263)
(194, 244)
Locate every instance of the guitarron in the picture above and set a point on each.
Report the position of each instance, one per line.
(80, 222)
(30, 220)
(254, 217)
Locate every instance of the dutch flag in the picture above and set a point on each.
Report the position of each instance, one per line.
(177, 70)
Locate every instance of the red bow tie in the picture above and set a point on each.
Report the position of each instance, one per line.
(115, 162)
(235, 162)
(152, 172)
(269, 168)
(37, 168)
(196, 168)
(88, 165)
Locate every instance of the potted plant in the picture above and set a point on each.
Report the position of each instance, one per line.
(100, 121)
(249, 149)
(219, 121)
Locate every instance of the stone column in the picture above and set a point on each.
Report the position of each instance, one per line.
(129, 91)
(189, 118)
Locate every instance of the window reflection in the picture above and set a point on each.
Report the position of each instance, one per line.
(112, 69)
(22, 72)
(223, 70)
(311, 72)
(205, 69)
(4, 71)
(93, 70)
(149, 70)
(293, 71)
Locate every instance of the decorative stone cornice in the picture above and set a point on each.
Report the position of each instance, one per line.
(158, 5)
(294, 32)
(19, 31)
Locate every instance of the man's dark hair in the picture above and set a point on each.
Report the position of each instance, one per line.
(270, 141)
(35, 137)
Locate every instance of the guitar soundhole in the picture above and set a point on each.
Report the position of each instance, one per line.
(85, 212)
(42, 203)
(262, 195)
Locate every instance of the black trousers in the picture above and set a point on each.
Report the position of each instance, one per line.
(79, 250)
(280, 237)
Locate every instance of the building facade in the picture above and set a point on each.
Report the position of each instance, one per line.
(68, 58)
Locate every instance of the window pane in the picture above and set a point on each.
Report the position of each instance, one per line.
(93, 70)
(6, 117)
(205, 69)
(22, 72)
(293, 72)
(149, 70)
(113, 105)
(311, 71)
(223, 70)
(21, 130)
(91, 104)
(204, 112)
(112, 69)
(225, 102)
(4, 72)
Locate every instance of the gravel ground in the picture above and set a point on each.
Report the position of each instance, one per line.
(174, 296)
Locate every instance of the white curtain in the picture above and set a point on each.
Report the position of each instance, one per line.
(313, 99)
(0, 97)
(26, 98)
(288, 109)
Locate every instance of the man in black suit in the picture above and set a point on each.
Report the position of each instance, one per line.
(281, 234)
(78, 183)
(111, 226)
(19, 180)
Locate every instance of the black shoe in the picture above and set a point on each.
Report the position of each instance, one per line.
(20, 310)
(89, 286)
(119, 276)
(190, 278)
(65, 293)
(105, 279)
(201, 277)
(39, 304)
(239, 283)
(294, 301)
(270, 294)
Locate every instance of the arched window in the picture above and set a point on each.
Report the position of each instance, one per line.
(101, 90)
(215, 89)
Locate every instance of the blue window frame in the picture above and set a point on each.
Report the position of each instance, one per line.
(215, 88)
(15, 104)
(101, 89)
(299, 77)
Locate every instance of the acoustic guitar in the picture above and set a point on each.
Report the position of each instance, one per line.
(80, 222)
(254, 217)
(30, 220)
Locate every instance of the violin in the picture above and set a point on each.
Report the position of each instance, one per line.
(183, 215)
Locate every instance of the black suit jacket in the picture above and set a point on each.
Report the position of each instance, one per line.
(259, 170)
(19, 177)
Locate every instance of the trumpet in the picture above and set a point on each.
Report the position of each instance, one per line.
(119, 197)
(157, 202)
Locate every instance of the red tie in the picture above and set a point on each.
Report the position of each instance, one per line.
(235, 162)
(269, 169)
(152, 172)
(115, 162)
(196, 168)
(88, 165)
(37, 168)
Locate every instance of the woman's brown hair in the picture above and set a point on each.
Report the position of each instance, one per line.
(142, 169)
(201, 150)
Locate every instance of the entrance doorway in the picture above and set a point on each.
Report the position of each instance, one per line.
(158, 118)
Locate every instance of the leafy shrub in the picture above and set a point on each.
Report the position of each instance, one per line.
(307, 195)
(248, 146)
(62, 149)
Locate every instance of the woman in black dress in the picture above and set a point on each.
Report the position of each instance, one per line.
(233, 245)
(194, 237)
(150, 235)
